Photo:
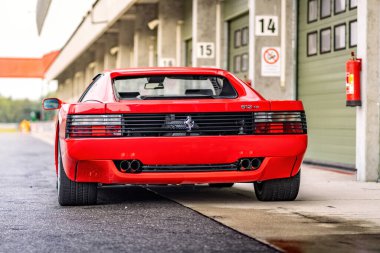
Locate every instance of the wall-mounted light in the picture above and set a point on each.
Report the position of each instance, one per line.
(153, 24)
(114, 50)
(92, 65)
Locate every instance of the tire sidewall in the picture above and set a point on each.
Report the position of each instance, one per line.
(259, 189)
(59, 176)
(59, 170)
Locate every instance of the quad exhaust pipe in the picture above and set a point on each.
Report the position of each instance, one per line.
(130, 166)
(249, 164)
(125, 166)
(256, 162)
(135, 166)
(245, 164)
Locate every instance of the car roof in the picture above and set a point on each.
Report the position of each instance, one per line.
(167, 70)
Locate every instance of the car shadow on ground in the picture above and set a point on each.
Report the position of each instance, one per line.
(125, 194)
(191, 193)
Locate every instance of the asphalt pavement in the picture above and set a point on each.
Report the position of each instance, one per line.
(127, 218)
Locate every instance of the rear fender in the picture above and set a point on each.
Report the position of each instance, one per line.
(87, 108)
(286, 105)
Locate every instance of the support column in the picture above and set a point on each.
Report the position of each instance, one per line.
(99, 55)
(281, 86)
(126, 30)
(110, 53)
(67, 90)
(367, 116)
(74, 83)
(90, 73)
(87, 59)
(78, 84)
(204, 31)
(145, 13)
(59, 92)
(170, 14)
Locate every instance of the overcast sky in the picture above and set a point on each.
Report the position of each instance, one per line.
(19, 37)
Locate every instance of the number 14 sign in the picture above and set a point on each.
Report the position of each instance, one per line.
(266, 26)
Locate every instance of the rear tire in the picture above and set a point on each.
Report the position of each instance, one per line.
(71, 193)
(283, 189)
(221, 185)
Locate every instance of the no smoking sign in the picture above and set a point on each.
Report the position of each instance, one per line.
(270, 61)
(271, 55)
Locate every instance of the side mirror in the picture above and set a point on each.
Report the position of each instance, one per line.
(51, 103)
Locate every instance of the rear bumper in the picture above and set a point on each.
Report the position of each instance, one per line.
(91, 160)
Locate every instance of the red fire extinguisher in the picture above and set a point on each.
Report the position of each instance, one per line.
(353, 68)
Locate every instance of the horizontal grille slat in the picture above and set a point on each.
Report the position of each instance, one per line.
(186, 124)
(179, 124)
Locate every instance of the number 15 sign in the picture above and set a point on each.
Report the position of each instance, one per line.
(205, 50)
(266, 26)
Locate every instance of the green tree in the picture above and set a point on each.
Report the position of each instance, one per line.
(17, 110)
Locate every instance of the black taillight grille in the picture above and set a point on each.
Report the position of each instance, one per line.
(186, 124)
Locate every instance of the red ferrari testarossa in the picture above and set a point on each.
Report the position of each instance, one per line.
(176, 126)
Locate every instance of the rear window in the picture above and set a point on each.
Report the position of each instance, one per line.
(173, 87)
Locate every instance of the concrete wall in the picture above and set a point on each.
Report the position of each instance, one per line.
(170, 16)
(271, 87)
(204, 29)
(367, 120)
(125, 54)
(145, 38)
(110, 56)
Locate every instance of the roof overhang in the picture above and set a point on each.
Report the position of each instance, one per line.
(41, 13)
(26, 67)
(97, 21)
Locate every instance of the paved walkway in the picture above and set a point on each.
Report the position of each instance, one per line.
(332, 211)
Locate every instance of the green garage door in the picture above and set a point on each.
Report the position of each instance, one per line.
(238, 34)
(327, 35)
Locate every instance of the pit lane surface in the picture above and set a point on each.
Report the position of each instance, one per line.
(127, 219)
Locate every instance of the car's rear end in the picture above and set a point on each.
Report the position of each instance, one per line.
(199, 136)
(157, 148)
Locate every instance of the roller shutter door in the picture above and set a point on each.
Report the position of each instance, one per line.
(238, 34)
(326, 36)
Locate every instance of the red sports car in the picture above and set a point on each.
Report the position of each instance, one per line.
(177, 126)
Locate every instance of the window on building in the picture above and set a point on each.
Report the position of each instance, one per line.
(311, 43)
(340, 37)
(312, 13)
(237, 64)
(244, 62)
(325, 40)
(237, 38)
(353, 33)
(244, 36)
(325, 8)
(353, 4)
(339, 6)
